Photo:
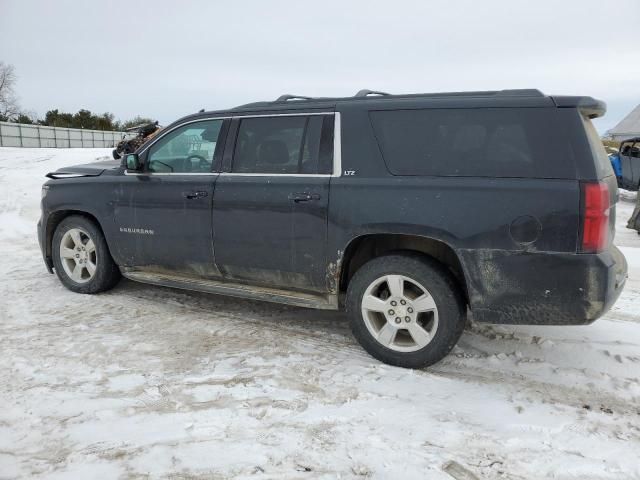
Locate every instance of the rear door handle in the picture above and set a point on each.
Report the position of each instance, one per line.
(303, 197)
(192, 195)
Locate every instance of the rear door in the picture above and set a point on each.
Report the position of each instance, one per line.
(163, 214)
(270, 203)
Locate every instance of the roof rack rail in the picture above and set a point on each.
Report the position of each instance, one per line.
(520, 92)
(286, 97)
(365, 93)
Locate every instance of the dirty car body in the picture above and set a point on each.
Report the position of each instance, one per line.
(493, 186)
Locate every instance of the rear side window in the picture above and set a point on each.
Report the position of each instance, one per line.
(278, 145)
(491, 142)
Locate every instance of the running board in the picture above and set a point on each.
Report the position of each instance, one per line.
(309, 300)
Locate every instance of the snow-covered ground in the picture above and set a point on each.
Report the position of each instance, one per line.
(148, 382)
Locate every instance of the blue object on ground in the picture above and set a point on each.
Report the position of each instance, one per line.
(615, 163)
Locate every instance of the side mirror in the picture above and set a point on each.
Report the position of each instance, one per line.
(133, 162)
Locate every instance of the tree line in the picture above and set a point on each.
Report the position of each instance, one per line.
(10, 111)
(82, 119)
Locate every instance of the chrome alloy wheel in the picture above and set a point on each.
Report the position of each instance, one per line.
(400, 313)
(78, 255)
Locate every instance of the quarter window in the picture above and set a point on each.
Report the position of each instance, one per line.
(493, 142)
(278, 145)
(187, 149)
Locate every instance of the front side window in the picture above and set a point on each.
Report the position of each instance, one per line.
(187, 149)
(278, 145)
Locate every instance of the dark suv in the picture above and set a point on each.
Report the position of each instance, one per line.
(405, 210)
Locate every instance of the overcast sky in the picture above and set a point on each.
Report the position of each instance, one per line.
(165, 59)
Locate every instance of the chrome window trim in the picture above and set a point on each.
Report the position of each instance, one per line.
(152, 174)
(301, 175)
(337, 147)
(303, 114)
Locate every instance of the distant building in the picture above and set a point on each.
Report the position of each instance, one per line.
(628, 127)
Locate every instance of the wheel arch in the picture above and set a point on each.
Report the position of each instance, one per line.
(366, 247)
(55, 218)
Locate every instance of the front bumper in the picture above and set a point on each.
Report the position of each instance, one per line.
(42, 241)
(538, 288)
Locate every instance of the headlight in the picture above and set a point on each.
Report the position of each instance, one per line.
(45, 189)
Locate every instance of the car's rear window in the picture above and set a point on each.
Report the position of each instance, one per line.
(491, 142)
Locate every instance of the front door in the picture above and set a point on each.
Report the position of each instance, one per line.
(163, 214)
(270, 205)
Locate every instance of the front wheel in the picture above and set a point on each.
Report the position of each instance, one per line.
(405, 310)
(81, 257)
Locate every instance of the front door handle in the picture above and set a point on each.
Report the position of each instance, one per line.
(192, 195)
(303, 197)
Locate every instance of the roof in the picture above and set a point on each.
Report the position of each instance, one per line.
(364, 95)
(629, 125)
(374, 99)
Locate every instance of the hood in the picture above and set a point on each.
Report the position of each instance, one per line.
(87, 170)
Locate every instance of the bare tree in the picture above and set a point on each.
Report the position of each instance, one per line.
(9, 107)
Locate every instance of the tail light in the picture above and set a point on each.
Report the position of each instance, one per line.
(595, 217)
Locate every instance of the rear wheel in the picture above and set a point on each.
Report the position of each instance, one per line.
(81, 257)
(405, 310)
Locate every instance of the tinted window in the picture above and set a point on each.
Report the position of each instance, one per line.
(325, 160)
(496, 142)
(278, 145)
(187, 149)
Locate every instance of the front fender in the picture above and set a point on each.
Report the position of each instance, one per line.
(73, 197)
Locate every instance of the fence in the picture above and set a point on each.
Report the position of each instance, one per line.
(23, 135)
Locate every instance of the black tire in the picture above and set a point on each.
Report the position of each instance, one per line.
(440, 285)
(106, 274)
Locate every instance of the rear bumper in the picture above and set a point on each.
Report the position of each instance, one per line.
(534, 288)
